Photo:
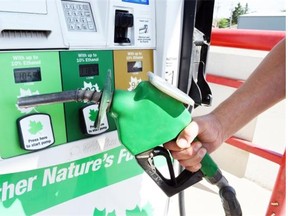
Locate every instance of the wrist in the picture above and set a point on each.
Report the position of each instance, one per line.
(218, 123)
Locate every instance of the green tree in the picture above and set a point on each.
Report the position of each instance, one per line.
(239, 10)
(223, 23)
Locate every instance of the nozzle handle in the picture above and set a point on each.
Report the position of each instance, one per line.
(174, 184)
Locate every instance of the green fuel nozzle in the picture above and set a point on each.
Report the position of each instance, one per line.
(147, 118)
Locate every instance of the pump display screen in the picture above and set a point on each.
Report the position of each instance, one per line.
(134, 66)
(88, 70)
(23, 75)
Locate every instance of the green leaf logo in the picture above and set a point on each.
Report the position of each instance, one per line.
(137, 212)
(145, 211)
(111, 213)
(92, 114)
(91, 87)
(35, 127)
(97, 212)
(24, 93)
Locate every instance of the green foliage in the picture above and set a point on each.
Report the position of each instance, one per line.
(239, 10)
(223, 23)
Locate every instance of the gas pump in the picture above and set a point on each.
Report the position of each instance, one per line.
(53, 158)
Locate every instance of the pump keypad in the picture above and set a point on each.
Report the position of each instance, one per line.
(78, 16)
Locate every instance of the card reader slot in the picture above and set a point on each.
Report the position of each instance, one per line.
(20, 33)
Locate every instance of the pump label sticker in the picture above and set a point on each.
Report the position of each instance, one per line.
(25, 60)
(144, 31)
(145, 2)
(35, 132)
(89, 116)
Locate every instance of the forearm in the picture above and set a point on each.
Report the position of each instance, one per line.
(264, 88)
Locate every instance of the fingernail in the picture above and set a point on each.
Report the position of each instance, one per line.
(182, 143)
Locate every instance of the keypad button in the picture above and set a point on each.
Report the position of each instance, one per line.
(78, 16)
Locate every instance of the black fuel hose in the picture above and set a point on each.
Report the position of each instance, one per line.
(230, 203)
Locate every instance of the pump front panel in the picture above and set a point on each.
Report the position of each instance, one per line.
(131, 67)
(27, 129)
(53, 161)
(85, 70)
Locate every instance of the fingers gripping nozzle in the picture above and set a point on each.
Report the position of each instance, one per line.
(60, 97)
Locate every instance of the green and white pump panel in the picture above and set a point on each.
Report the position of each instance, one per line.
(53, 161)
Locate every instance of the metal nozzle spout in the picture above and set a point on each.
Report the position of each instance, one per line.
(60, 97)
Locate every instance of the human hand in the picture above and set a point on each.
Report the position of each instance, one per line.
(188, 149)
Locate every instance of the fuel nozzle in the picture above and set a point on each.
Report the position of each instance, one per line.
(60, 97)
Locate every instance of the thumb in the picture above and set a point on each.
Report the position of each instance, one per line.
(187, 135)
